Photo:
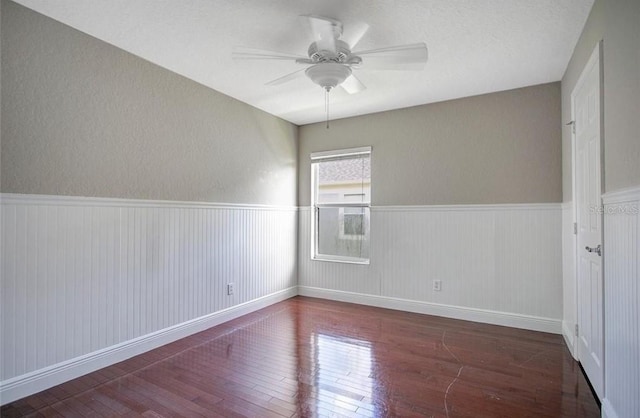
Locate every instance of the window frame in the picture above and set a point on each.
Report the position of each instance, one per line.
(317, 157)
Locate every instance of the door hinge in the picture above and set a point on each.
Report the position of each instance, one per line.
(573, 126)
(577, 329)
(575, 228)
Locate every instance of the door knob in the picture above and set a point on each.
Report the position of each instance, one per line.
(597, 250)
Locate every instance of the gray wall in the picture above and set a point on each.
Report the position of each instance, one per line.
(622, 95)
(81, 117)
(0, 95)
(496, 148)
(617, 24)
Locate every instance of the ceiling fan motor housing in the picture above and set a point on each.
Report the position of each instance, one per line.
(341, 54)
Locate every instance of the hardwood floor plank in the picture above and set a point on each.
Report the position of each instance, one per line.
(49, 412)
(112, 403)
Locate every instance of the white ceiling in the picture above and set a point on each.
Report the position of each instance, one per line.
(475, 46)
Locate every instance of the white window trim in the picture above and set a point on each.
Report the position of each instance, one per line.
(321, 155)
(327, 155)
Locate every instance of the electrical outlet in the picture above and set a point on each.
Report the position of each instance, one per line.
(229, 289)
(437, 285)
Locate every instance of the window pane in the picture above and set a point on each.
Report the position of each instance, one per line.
(353, 224)
(344, 180)
(343, 231)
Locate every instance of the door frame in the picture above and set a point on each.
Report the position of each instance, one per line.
(597, 54)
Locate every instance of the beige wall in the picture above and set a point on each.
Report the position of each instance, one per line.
(622, 94)
(496, 148)
(0, 96)
(81, 117)
(616, 23)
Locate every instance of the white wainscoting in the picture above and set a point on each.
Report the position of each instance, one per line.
(87, 282)
(622, 300)
(499, 264)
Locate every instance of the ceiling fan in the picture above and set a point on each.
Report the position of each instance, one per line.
(331, 62)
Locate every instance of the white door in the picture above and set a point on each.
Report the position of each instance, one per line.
(586, 108)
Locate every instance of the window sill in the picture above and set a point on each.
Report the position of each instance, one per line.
(345, 260)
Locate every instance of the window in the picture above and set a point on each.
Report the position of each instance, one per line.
(341, 201)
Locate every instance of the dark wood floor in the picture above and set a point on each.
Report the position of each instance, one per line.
(310, 357)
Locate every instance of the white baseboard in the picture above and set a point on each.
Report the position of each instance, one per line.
(607, 410)
(39, 380)
(533, 323)
(569, 338)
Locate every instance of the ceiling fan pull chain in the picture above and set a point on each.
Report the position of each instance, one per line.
(326, 105)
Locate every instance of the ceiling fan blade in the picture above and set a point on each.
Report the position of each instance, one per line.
(242, 53)
(402, 57)
(322, 31)
(353, 33)
(353, 85)
(286, 78)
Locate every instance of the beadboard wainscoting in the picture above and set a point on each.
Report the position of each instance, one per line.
(622, 300)
(499, 264)
(87, 282)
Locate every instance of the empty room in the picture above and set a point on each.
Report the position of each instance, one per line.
(320, 208)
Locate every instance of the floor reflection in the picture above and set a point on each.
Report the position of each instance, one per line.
(343, 378)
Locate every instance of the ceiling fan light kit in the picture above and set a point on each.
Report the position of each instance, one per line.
(328, 75)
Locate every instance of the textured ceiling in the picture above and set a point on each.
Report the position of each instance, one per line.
(475, 46)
